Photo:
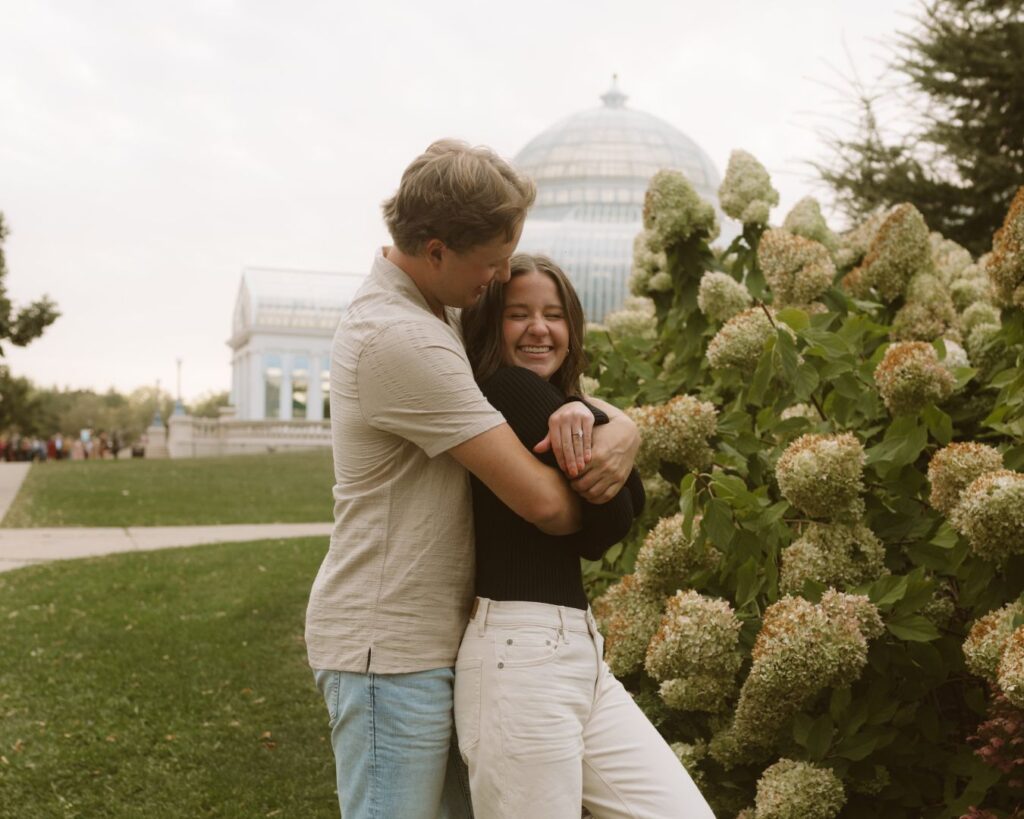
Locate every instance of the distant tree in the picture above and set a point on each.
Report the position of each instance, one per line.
(209, 404)
(962, 165)
(22, 326)
(20, 407)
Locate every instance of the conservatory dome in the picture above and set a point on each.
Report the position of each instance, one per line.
(591, 171)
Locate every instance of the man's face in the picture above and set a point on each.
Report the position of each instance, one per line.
(463, 277)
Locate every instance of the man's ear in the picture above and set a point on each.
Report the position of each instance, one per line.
(434, 251)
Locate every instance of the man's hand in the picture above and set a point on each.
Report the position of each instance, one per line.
(570, 438)
(614, 451)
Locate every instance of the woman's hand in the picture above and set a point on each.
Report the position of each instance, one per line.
(570, 438)
(613, 457)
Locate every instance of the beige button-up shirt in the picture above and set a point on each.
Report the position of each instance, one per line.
(394, 591)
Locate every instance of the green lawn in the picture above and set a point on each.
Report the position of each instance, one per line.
(163, 684)
(278, 488)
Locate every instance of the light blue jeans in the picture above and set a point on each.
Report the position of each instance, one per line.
(395, 750)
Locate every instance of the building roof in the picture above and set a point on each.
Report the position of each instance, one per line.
(596, 164)
(278, 300)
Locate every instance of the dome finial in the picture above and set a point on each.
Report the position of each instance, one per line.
(613, 97)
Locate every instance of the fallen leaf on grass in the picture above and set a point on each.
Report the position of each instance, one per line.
(18, 747)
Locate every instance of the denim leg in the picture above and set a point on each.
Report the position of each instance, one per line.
(392, 736)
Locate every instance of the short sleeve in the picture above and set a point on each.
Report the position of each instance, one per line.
(415, 381)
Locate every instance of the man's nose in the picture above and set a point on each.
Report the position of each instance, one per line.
(504, 274)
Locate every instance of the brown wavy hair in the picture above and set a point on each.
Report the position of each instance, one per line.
(462, 195)
(482, 324)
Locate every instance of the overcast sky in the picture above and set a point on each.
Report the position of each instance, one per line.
(149, 151)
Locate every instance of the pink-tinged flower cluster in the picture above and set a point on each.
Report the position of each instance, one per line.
(1005, 265)
(802, 649)
(668, 556)
(822, 476)
(797, 270)
(900, 251)
(835, 554)
(910, 377)
(676, 432)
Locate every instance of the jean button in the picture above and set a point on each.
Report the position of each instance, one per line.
(501, 665)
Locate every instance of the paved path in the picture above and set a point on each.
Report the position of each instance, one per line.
(20, 547)
(11, 476)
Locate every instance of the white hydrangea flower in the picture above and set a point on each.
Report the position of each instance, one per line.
(1005, 265)
(899, 252)
(955, 467)
(910, 377)
(637, 319)
(834, 554)
(695, 653)
(798, 790)
(979, 312)
(628, 614)
(802, 648)
(676, 431)
(928, 313)
(950, 259)
(990, 515)
(822, 475)
(668, 556)
(720, 296)
(740, 341)
(1011, 669)
(746, 192)
(987, 639)
(675, 212)
(854, 244)
(797, 270)
(805, 219)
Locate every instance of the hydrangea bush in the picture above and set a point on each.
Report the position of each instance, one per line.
(822, 608)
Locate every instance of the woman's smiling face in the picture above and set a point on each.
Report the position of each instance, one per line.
(535, 333)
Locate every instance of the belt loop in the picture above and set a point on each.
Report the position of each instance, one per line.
(562, 628)
(482, 605)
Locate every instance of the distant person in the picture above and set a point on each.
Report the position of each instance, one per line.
(115, 443)
(393, 594)
(58, 446)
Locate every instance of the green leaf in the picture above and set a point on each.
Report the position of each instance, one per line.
(718, 522)
(687, 502)
(913, 627)
(795, 318)
(940, 425)
(839, 702)
(887, 590)
(857, 747)
(946, 537)
(747, 585)
(819, 738)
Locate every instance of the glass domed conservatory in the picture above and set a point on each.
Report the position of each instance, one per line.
(592, 170)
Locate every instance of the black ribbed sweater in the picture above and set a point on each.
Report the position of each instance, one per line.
(514, 559)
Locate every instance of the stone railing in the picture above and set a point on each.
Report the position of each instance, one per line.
(190, 437)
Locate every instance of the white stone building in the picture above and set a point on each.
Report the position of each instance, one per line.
(281, 334)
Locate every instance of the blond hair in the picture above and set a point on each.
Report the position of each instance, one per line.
(465, 196)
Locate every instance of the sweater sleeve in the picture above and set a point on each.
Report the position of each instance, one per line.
(527, 400)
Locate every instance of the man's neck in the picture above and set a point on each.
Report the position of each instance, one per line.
(419, 271)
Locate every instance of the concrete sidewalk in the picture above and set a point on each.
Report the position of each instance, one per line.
(11, 476)
(21, 547)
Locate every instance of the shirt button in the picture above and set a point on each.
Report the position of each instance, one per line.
(509, 642)
(501, 665)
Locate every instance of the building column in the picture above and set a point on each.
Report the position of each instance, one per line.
(254, 411)
(285, 411)
(314, 395)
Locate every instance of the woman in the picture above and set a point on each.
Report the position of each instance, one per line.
(542, 723)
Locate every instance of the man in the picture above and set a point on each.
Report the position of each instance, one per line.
(392, 597)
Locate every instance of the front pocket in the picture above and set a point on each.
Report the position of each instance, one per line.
(467, 703)
(526, 646)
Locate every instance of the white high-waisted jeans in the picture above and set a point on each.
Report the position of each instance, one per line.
(545, 727)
